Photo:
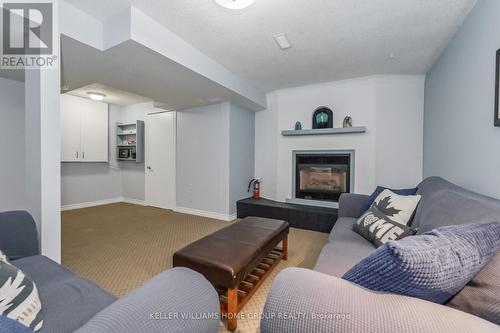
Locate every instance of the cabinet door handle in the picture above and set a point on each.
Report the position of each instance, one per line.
(76, 155)
(83, 155)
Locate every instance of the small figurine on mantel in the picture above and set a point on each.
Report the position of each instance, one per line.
(347, 122)
(298, 126)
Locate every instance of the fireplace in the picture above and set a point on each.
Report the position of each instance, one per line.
(322, 176)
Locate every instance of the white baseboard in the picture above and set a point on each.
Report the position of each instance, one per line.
(204, 213)
(184, 210)
(134, 201)
(102, 202)
(91, 204)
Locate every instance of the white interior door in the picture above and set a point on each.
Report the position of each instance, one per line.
(160, 159)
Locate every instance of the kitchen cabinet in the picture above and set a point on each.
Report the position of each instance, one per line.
(84, 130)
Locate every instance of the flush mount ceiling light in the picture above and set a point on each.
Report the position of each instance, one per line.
(234, 4)
(96, 96)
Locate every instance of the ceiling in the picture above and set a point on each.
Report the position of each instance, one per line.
(332, 39)
(131, 67)
(112, 95)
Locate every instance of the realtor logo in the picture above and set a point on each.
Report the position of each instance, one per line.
(27, 35)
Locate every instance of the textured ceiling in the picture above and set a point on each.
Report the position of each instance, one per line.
(332, 39)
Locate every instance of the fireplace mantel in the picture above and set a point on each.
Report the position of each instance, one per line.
(324, 131)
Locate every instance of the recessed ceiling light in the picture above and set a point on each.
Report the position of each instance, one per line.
(234, 4)
(96, 96)
(282, 41)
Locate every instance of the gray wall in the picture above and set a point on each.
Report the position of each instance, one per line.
(215, 157)
(12, 145)
(242, 153)
(202, 176)
(133, 174)
(460, 141)
(88, 182)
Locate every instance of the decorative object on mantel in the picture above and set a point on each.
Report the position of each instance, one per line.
(322, 118)
(298, 126)
(347, 122)
(497, 92)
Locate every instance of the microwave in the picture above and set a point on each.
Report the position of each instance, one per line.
(126, 153)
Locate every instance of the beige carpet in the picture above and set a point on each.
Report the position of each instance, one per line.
(120, 246)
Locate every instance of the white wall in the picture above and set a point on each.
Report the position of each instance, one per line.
(202, 180)
(215, 158)
(90, 182)
(399, 124)
(241, 153)
(377, 102)
(12, 146)
(42, 155)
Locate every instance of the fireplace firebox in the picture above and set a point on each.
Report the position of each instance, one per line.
(322, 176)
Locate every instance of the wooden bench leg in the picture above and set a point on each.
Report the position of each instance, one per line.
(285, 248)
(232, 308)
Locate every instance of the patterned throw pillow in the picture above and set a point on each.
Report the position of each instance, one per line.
(379, 228)
(399, 208)
(433, 266)
(19, 298)
(380, 189)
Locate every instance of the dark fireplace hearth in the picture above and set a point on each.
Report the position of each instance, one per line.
(322, 176)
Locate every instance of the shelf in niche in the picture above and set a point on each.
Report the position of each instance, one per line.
(324, 131)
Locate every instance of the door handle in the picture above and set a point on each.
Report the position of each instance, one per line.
(83, 155)
(149, 168)
(76, 155)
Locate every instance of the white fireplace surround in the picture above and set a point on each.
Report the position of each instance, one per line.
(389, 153)
(320, 203)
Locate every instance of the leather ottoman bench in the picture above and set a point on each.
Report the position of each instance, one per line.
(237, 259)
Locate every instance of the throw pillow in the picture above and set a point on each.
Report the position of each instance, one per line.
(379, 228)
(380, 189)
(19, 298)
(399, 208)
(433, 266)
(481, 296)
(8, 325)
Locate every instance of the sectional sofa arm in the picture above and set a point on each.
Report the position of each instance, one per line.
(177, 300)
(304, 301)
(350, 204)
(18, 235)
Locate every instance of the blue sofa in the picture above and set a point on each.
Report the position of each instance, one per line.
(73, 304)
(319, 301)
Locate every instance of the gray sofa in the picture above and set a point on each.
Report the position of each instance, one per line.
(319, 301)
(73, 304)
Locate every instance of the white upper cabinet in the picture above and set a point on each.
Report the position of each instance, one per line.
(84, 128)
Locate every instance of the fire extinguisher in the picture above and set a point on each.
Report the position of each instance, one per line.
(256, 188)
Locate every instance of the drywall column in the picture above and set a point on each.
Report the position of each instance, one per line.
(43, 143)
(43, 153)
